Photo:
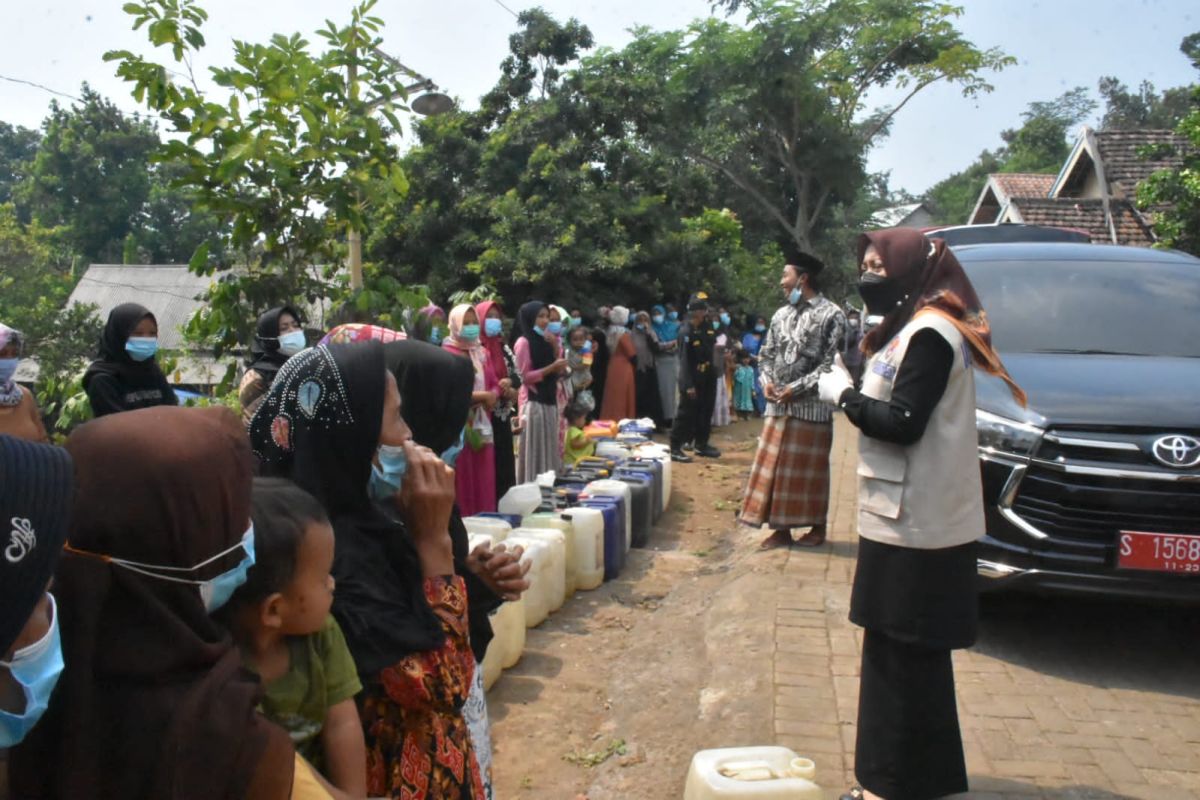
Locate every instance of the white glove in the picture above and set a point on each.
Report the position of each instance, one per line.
(833, 383)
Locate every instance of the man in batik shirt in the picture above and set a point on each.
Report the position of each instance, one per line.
(789, 483)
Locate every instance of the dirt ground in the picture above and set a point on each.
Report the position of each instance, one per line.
(617, 690)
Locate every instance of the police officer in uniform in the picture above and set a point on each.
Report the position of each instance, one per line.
(697, 383)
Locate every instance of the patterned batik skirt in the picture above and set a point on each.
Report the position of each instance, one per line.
(789, 482)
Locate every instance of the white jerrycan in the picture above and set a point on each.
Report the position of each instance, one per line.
(751, 773)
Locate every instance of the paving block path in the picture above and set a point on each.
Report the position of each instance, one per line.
(1060, 698)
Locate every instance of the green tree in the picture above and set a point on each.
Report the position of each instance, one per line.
(90, 175)
(1143, 108)
(1173, 196)
(18, 146)
(34, 286)
(292, 157)
(779, 109)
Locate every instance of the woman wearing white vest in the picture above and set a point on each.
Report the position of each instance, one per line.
(920, 509)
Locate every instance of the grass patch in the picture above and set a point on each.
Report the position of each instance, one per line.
(591, 759)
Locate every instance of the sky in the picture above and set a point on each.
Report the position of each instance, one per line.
(1059, 44)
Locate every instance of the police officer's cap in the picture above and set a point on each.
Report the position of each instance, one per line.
(698, 302)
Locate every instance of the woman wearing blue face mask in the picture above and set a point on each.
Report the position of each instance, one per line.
(35, 492)
(19, 414)
(756, 329)
(278, 337)
(435, 394)
(126, 376)
(332, 424)
(666, 362)
(475, 469)
(153, 697)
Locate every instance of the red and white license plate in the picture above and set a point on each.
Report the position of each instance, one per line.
(1159, 552)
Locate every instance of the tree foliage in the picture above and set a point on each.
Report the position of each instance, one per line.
(89, 175)
(34, 286)
(292, 156)
(1173, 196)
(778, 108)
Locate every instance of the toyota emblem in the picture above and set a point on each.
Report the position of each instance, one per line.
(1180, 452)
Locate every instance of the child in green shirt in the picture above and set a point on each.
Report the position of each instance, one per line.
(280, 619)
(577, 445)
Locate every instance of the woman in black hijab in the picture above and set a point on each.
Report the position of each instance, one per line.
(435, 393)
(539, 363)
(278, 337)
(126, 376)
(331, 422)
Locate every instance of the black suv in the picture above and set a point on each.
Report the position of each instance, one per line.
(1096, 485)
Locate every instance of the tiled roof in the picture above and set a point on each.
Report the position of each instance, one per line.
(1086, 215)
(1124, 167)
(172, 294)
(1023, 184)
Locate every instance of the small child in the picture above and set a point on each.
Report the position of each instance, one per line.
(280, 619)
(579, 359)
(577, 446)
(743, 387)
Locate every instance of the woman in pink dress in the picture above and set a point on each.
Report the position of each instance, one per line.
(475, 469)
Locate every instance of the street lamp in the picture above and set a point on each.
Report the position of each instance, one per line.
(430, 102)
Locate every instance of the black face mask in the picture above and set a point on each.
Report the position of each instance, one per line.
(881, 295)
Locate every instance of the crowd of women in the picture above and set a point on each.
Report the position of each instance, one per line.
(168, 616)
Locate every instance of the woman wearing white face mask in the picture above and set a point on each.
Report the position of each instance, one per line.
(279, 336)
(35, 494)
(19, 415)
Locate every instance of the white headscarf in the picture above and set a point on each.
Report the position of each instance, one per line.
(619, 316)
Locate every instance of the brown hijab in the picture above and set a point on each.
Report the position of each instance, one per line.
(153, 702)
(934, 282)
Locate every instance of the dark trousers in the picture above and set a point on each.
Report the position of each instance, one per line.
(909, 746)
(506, 465)
(693, 418)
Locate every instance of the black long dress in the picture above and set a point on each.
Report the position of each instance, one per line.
(916, 607)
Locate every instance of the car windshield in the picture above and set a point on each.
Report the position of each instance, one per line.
(1105, 307)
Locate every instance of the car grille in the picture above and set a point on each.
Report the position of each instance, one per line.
(1063, 496)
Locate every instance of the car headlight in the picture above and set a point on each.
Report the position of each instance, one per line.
(1002, 435)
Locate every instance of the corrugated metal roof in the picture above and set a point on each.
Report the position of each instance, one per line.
(170, 292)
(894, 215)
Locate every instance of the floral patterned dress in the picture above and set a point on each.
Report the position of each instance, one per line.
(418, 745)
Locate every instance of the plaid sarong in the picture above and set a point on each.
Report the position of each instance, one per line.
(789, 484)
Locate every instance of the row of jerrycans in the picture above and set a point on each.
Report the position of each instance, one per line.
(576, 539)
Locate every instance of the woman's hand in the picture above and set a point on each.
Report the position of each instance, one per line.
(487, 400)
(560, 366)
(500, 569)
(425, 500)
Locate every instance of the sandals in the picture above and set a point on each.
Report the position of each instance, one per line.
(814, 538)
(853, 793)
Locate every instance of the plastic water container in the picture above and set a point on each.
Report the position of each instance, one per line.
(476, 539)
(641, 488)
(614, 532)
(556, 542)
(617, 451)
(508, 641)
(613, 488)
(662, 455)
(536, 600)
(521, 499)
(554, 521)
(761, 773)
(655, 468)
(588, 524)
(498, 529)
(513, 520)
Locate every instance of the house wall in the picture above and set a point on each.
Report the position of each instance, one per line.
(920, 218)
